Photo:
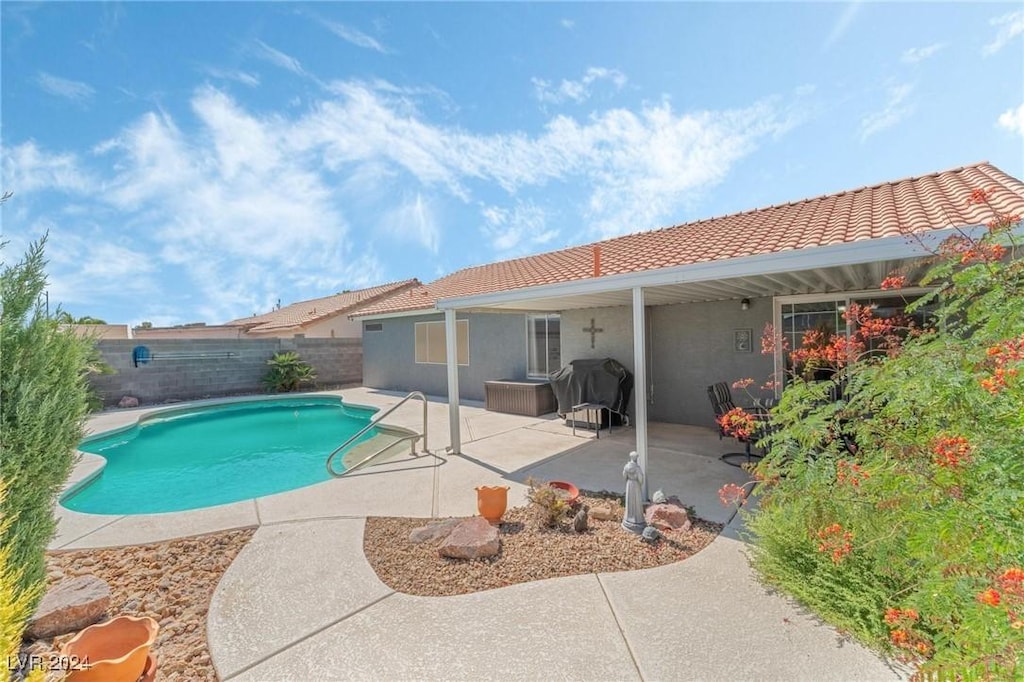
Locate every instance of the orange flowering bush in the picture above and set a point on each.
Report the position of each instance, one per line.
(892, 494)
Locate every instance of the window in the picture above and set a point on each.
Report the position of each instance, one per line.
(544, 345)
(430, 343)
(373, 327)
(799, 314)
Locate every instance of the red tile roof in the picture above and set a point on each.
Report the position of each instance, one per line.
(305, 313)
(929, 202)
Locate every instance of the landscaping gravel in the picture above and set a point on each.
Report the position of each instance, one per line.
(172, 582)
(528, 552)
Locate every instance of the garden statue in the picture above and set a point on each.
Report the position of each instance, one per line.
(579, 522)
(651, 535)
(658, 497)
(634, 521)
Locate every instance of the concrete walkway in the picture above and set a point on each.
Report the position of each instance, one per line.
(300, 602)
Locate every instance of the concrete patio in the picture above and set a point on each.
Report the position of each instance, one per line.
(300, 602)
(498, 449)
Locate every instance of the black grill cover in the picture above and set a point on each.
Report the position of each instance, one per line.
(601, 382)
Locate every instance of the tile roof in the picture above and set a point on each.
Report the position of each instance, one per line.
(304, 313)
(929, 202)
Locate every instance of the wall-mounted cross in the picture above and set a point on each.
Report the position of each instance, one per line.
(593, 331)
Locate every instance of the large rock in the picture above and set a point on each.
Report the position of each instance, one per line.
(473, 538)
(669, 515)
(68, 606)
(435, 530)
(128, 401)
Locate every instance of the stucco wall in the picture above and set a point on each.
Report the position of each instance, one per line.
(337, 362)
(693, 347)
(497, 350)
(690, 346)
(338, 326)
(203, 332)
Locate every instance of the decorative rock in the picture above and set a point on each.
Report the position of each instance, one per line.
(650, 535)
(579, 522)
(667, 516)
(659, 497)
(128, 401)
(435, 530)
(604, 513)
(473, 538)
(71, 605)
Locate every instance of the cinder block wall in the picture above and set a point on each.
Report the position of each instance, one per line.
(337, 361)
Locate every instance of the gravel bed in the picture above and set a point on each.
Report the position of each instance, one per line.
(172, 582)
(528, 552)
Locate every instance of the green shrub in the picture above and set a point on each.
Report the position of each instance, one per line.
(913, 542)
(43, 396)
(287, 372)
(15, 604)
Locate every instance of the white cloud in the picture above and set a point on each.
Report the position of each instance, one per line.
(1013, 120)
(578, 90)
(567, 24)
(896, 109)
(1010, 26)
(237, 75)
(413, 220)
(244, 205)
(83, 268)
(517, 230)
(914, 55)
(637, 167)
(278, 58)
(232, 205)
(63, 87)
(28, 169)
(842, 24)
(353, 35)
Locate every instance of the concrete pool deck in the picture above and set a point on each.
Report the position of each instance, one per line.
(301, 602)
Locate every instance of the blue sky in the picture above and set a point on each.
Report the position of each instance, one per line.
(200, 161)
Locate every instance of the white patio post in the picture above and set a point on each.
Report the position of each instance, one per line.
(640, 381)
(452, 360)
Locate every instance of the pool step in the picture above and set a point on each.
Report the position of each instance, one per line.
(392, 442)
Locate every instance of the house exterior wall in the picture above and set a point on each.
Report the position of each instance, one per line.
(197, 332)
(497, 350)
(690, 346)
(337, 362)
(338, 326)
(100, 331)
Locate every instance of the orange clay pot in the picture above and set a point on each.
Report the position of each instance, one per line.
(491, 501)
(115, 651)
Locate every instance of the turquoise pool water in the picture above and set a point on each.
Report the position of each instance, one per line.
(216, 454)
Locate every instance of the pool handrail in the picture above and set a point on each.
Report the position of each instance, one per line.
(374, 422)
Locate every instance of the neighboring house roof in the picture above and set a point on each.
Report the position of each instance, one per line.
(929, 202)
(304, 313)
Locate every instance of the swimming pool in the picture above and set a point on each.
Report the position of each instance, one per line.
(203, 456)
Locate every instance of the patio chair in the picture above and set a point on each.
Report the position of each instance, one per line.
(721, 402)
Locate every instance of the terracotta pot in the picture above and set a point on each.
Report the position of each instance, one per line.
(491, 501)
(149, 672)
(116, 651)
(572, 491)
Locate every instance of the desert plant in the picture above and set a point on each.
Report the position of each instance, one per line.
(548, 503)
(911, 539)
(15, 603)
(287, 372)
(43, 403)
